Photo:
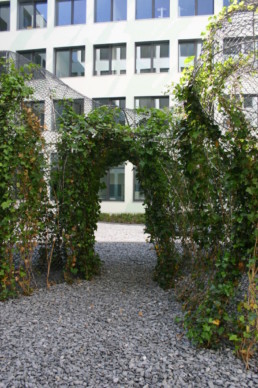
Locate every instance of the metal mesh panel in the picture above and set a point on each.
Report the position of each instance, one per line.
(235, 42)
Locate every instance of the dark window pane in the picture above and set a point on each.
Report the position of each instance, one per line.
(115, 185)
(186, 7)
(161, 8)
(143, 9)
(104, 53)
(64, 11)
(77, 62)
(226, 3)
(146, 51)
(205, 7)
(164, 50)
(41, 15)
(79, 11)
(62, 63)
(4, 17)
(248, 101)
(163, 102)
(103, 11)
(35, 56)
(78, 106)
(119, 9)
(186, 49)
(146, 102)
(26, 16)
(123, 52)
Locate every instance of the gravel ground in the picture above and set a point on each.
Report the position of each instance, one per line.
(115, 331)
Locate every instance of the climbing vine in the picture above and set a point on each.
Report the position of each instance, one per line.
(199, 179)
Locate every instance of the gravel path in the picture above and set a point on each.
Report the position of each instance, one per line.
(115, 331)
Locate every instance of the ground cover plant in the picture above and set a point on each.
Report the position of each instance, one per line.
(198, 171)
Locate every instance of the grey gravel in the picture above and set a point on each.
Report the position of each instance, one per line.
(115, 331)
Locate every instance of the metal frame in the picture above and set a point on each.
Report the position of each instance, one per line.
(153, 97)
(108, 186)
(29, 2)
(110, 47)
(70, 49)
(195, 41)
(33, 52)
(152, 11)
(72, 13)
(152, 44)
(196, 9)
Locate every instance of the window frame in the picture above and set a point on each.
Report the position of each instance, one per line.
(106, 179)
(195, 10)
(152, 44)
(70, 50)
(6, 4)
(59, 103)
(153, 11)
(110, 48)
(195, 41)
(33, 3)
(134, 181)
(111, 13)
(152, 97)
(72, 15)
(33, 52)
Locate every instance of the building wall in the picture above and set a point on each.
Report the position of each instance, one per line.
(128, 85)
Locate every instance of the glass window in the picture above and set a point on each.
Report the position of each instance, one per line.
(152, 102)
(118, 102)
(195, 7)
(138, 194)
(115, 185)
(78, 107)
(110, 59)
(148, 9)
(110, 10)
(70, 12)
(32, 14)
(189, 48)
(152, 57)
(70, 62)
(4, 16)
(35, 56)
(226, 3)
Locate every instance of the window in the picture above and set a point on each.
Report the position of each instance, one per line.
(114, 181)
(70, 12)
(138, 194)
(226, 3)
(110, 10)
(151, 102)
(149, 9)
(38, 108)
(78, 107)
(152, 57)
(195, 7)
(35, 56)
(250, 101)
(70, 62)
(186, 49)
(32, 14)
(110, 59)
(4, 16)
(118, 102)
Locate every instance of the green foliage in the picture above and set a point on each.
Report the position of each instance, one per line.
(22, 187)
(123, 218)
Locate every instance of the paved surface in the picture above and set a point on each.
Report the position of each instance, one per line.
(115, 331)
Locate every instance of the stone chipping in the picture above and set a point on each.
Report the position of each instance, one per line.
(117, 330)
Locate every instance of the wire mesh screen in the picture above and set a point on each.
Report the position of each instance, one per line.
(235, 44)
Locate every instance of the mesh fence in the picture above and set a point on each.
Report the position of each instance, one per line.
(235, 42)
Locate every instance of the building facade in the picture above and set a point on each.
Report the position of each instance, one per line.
(119, 52)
